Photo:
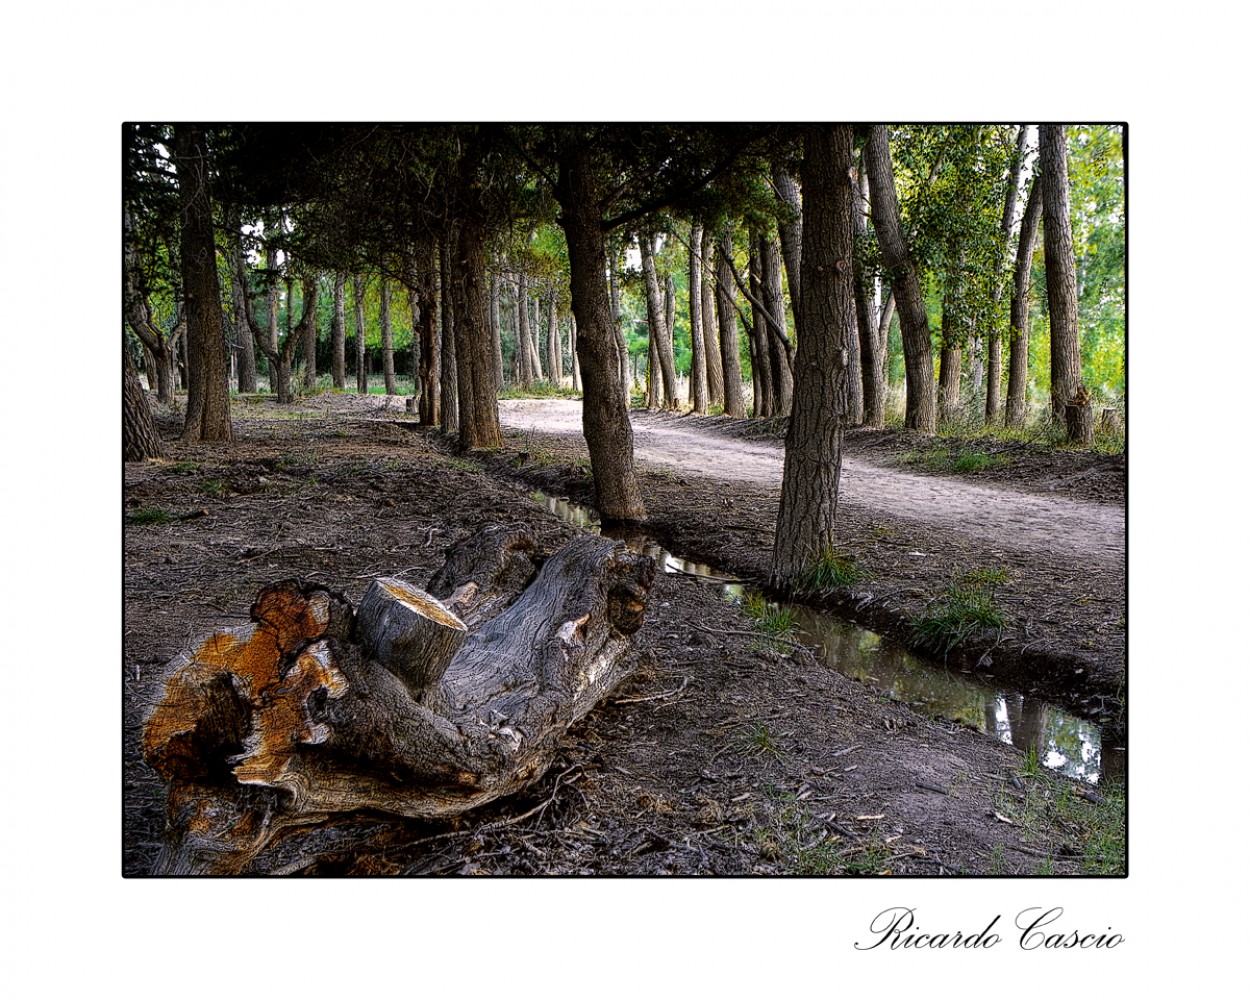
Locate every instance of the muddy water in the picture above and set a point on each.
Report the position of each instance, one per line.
(1061, 741)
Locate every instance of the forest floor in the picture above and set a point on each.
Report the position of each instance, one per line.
(726, 753)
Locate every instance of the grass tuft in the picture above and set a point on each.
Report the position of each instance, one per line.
(149, 515)
(967, 608)
(831, 571)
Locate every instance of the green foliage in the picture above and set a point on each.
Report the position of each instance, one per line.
(954, 458)
(831, 571)
(542, 389)
(770, 619)
(149, 515)
(755, 741)
(966, 609)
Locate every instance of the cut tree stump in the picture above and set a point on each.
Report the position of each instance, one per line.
(423, 703)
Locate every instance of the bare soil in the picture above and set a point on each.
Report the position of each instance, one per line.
(724, 754)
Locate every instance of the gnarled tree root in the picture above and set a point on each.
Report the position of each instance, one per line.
(424, 703)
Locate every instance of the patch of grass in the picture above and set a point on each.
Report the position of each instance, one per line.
(538, 390)
(757, 741)
(954, 458)
(831, 571)
(967, 608)
(214, 487)
(149, 515)
(184, 468)
(463, 464)
(770, 620)
(1092, 822)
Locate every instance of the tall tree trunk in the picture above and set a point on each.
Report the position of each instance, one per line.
(1065, 334)
(475, 352)
(272, 335)
(605, 407)
(555, 360)
(577, 367)
(694, 299)
(310, 343)
(525, 342)
(338, 333)
(790, 231)
(242, 329)
(362, 356)
(208, 397)
(711, 332)
(448, 404)
(140, 441)
(994, 346)
(496, 337)
(1018, 363)
(727, 319)
(780, 352)
(921, 411)
(806, 516)
(953, 334)
(657, 320)
(761, 359)
(867, 318)
(157, 344)
(614, 288)
(388, 336)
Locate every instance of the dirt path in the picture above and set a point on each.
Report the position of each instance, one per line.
(1003, 518)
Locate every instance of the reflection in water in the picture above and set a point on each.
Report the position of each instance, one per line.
(1062, 742)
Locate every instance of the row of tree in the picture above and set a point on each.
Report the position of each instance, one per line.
(808, 239)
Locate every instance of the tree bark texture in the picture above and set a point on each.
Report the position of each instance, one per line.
(727, 319)
(807, 513)
(605, 406)
(555, 359)
(1018, 357)
(657, 321)
(140, 441)
(447, 402)
(994, 346)
(425, 703)
(388, 336)
(242, 329)
(475, 353)
(761, 363)
(694, 299)
(430, 366)
(338, 333)
(1065, 334)
(711, 331)
(872, 361)
(921, 410)
(208, 391)
(790, 232)
(310, 340)
(780, 351)
(362, 357)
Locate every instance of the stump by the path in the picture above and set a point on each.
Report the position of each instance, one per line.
(314, 709)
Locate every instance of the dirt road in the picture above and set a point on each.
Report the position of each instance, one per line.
(1002, 518)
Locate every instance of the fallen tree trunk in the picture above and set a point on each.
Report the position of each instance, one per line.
(314, 710)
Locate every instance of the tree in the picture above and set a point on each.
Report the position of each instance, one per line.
(208, 395)
(660, 325)
(994, 355)
(921, 411)
(605, 415)
(140, 441)
(1061, 295)
(807, 513)
(338, 332)
(727, 319)
(698, 347)
(1018, 361)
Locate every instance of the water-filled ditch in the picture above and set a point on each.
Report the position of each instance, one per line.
(1062, 741)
